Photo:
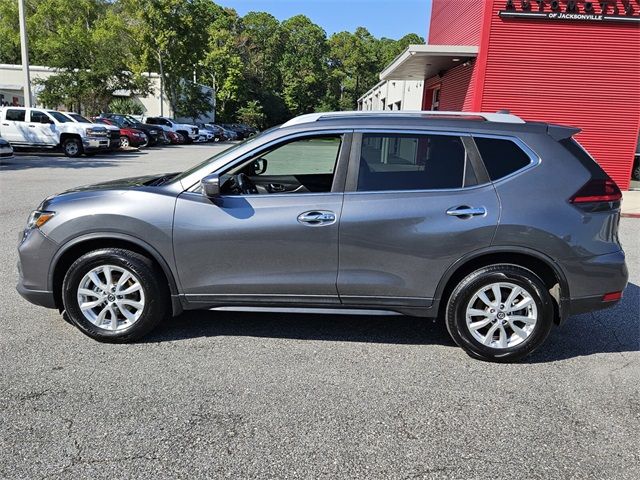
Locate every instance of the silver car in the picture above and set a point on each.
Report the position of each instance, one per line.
(499, 227)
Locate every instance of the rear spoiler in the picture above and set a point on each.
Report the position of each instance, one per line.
(560, 132)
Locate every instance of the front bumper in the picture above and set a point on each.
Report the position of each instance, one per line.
(95, 143)
(35, 253)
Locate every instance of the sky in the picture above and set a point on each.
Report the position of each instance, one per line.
(383, 18)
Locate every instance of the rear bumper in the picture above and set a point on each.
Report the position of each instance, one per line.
(589, 280)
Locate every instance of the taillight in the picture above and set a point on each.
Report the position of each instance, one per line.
(596, 191)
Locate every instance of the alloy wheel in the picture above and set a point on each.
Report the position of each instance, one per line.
(501, 315)
(111, 297)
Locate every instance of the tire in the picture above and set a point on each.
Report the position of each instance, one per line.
(187, 138)
(72, 147)
(499, 334)
(145, 306)
(124, 142)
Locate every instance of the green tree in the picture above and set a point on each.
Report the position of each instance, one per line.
(9, 32)
(172, 38)
(252, 114)
(304, 64)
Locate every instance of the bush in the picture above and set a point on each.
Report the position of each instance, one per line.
(126, 105)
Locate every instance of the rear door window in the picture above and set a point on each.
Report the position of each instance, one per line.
(14, 115)
(501, 156)
(411, 162)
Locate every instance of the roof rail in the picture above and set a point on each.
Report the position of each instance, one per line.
(489, 117)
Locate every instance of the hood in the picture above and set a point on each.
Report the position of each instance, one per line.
(123, 183)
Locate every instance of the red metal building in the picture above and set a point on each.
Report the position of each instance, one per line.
(573, 62)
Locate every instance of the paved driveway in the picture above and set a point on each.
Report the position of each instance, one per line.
(237, 395)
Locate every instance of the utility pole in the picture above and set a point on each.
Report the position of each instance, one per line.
(24, 47)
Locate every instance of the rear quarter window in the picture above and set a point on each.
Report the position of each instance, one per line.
(501, 157)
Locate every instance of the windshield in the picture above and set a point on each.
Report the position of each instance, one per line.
(79, 118)
(59, 117)
(131, 120)
(197, 167)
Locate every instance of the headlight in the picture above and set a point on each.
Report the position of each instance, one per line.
(38, 218)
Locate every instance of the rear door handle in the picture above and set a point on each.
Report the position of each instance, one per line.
(317, 218)
(464, 211)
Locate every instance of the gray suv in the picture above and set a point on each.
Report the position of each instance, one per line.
(500, 227)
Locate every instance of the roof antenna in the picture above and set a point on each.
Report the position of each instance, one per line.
(505, 111)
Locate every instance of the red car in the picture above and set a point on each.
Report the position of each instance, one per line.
(129, 137)
(174, 138)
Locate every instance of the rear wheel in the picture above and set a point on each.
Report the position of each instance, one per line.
(72, 147)
(500, 313)
(115, 295)
(124, 142)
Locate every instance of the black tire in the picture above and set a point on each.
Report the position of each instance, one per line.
(157, 301)
(124, 142)
(185, 135)
(472, 283)
(72, 147)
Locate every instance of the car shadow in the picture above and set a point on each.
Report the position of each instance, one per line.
(615, 330)
(31, 160)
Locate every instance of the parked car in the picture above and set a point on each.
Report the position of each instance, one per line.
(175, 138)
(155, 134)
(189, 132)
(228, 134)
(114, 132)
(501, 227)
(205, 134)
(49, 129)
(635, 173)
(129, 137)
(6, 151)
(241, 133)
(218, 131)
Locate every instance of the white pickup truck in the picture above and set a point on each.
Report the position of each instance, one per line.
(189, 132)
(42, 128)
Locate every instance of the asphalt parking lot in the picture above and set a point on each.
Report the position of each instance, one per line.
(255, 395)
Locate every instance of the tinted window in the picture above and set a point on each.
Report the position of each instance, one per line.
(79, 118)
(316, 155)
(15, 115)
(60, 117)
(501, 157)
(411, 162)
(38, 116)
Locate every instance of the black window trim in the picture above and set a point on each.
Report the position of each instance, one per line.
(534, 158)
(351, 185)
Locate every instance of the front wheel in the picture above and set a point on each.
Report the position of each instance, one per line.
(115, 295)
(72, 147)
(500, 313)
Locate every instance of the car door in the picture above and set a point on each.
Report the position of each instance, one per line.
(273, 247)
(14, 127)
(414, 204)
(42, 128)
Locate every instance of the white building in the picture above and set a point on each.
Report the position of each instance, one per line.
(11, 90)
(393, 95)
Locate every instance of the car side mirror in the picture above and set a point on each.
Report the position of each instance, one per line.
(259, 166)
(46, 120)
(211, 185)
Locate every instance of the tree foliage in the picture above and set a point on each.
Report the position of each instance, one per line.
(262, 69)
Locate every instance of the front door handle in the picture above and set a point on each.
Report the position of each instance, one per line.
(464, 211)
(317, 218)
